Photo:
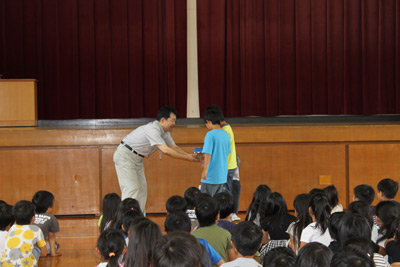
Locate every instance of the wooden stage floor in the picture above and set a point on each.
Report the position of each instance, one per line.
(78, 237)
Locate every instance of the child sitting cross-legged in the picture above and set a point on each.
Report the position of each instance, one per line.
(23, 237)
(246, 240)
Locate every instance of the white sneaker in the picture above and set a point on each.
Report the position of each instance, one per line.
(234, 217)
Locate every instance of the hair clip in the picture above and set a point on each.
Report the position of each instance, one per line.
(132, 208)
(111, 254)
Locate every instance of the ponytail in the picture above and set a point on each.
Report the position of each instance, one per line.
(321, 210)
(111, 244)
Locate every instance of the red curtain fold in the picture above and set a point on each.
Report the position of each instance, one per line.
(299, 57)
(97, 58)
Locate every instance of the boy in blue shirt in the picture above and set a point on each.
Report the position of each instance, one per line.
(216, 149)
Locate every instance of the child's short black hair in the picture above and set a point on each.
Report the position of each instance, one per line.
(165, 112)
(225, 204)
(42, 201)
(177, 221)
(190, 197)
(364, 193)
(388, 187)
(213, 114)
(247, 238)
(201, 197)
(2, 202)
(6, 217)
(23, 212)
(207, 212)
(177, 249)
(349, 258)
(279, 257)
(176, 203)
(314, 254)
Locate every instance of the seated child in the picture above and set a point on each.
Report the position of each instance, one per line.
(6, 220)
(246, 240)
(314, 254)
(111, 202)
(177, 249)
(190, 197)
(279, 257)
(226, 208)
(179, 221)
(110, 246)
(47, 222)
(20, 247)
(207, 213)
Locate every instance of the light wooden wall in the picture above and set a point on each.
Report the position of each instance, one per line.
(77, 165)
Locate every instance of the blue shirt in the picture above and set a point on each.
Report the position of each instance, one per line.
(214, 256)
(217, 143)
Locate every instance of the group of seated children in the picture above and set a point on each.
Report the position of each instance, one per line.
(27, 231)
(198, 230)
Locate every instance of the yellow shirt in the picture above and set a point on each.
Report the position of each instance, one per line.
(232, 164)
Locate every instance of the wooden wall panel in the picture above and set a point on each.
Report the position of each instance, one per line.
(290, 169)
(369, 163)
(72, 175)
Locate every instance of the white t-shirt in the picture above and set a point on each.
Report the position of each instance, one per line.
(242, 262)
(3, 235)
(313, 234)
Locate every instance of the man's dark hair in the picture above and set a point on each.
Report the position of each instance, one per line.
(177, 249)
(165, 112)
(42, 201)
(225, 204)
(23, 212)
(6, 217)
(213, 114)
(177, 221)
(388, 187)
(190, 197)
(176, 203)
(279, 257)
(247, 238)
(364, 193)
(207, 212)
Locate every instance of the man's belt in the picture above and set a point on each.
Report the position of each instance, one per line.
(131, 149)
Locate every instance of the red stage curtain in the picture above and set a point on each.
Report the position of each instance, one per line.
(97, 58)
(299, 57)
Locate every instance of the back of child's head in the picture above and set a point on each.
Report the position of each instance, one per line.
(143, 233)
(23, 212)
(359, 244)
(190, 197)
(332, 194)
(111, 244)
(321, 210)
(6, 216)
(225, 203)
(257, 204)
(129, 216)
(365, 193)
(351, 258)
(213, 114)
(178, 249)
(316, 191)
(111, 202)
(314, 254)
(176, 203)
(389, 214)
(201, 197)
(247, 238)
(333, 225)
(207, 211)
(362, 208)
(42, 201)
(2, 202)
(279, 257)
(125, 205)
(352, 225)
(301, 205)
(177, 221)
(275, 209)
(388, 187)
